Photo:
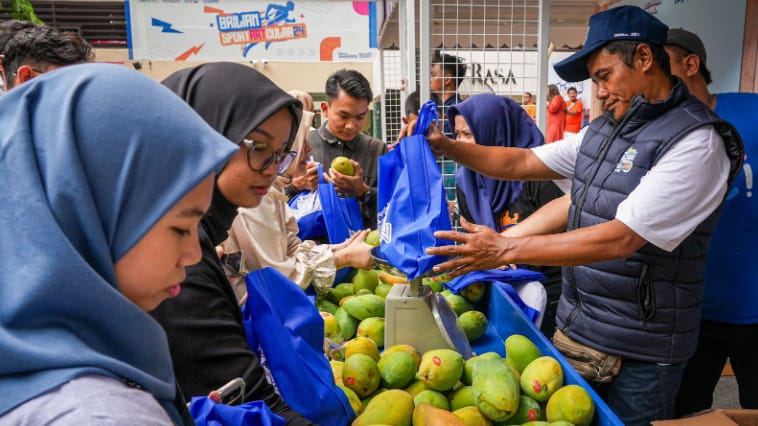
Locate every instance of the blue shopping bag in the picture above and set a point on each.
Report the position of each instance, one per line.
(323, 214)
(286, 330)
(206, 412)
(411, 201)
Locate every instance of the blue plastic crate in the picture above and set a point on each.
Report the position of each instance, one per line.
(505, 319)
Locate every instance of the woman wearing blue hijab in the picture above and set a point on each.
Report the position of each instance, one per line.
(105, 177)
(490, 120)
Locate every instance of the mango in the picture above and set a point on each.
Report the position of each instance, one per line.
(415, 387)
(429, 415)
(496, 390)
(520, 351)
(367, 400)
(468, 367)
(331, 327)
(388, 278)
(348, 323)
(355, 402)
(393, 407)
(440, 369)
(474, 292)
(397, 369)
(372, 238)
(345, 299)
(472, 416)
(363, 291)
(343, 165)
(541, 378)
(474, 324)
(561, 423)
(361, 345)
(529, 410)
(432, 398)
(382, 290)
(537, 423)
(367, 280)
(365, 306)
(430, 282)
(324, 305)
(571, 403)
(337, 371)
(462, 397)
(457, 302)
(336, 293)
(373, 328)
(404, 348)
(361, 374)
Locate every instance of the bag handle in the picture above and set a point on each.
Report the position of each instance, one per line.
(426, 116)
(320, 173)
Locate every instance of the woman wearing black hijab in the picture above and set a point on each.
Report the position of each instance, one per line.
(203, 323)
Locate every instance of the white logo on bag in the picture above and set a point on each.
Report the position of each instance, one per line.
(385, 228)
(307, 204)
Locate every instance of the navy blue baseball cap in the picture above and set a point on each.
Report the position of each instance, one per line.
(617, 23)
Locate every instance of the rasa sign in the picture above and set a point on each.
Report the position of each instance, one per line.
(233, 30)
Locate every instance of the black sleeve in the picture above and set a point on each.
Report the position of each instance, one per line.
(208, 342)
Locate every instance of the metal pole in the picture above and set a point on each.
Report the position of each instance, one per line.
(407, 26)
(543, 40)
(425, 42)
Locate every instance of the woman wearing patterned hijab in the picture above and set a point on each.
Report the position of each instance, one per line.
(105, 177)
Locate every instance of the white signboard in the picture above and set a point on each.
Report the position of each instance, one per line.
(233, 30)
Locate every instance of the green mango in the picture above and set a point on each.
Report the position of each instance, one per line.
(367, 280)
(457, 302)
(415, 387)
(355, 402)
(474, 292)
(520, 351)
(571, 403)
(472, 416)
(324, 305)
(336, 293)
(365, 306)
(382, 290)
(348, 323)
(496, 390)
(440, 369)
(468, 367)
(397, 369)
(529, 410)
(474, 325)
(433, 398)
(361, 375)
(392, 407)
(463, 397)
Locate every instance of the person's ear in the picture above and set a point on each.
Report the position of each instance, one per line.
(324, 108)
(691, 65)
(643, 57)
(24, 74)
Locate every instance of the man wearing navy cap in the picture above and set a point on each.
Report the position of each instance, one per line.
(649, 178)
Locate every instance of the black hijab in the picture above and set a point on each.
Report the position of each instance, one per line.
(234, 99)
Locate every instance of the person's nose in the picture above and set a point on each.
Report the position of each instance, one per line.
(191, 251)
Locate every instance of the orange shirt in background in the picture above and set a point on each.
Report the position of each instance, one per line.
(574, 122)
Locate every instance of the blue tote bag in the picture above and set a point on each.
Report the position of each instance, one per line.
(209, 413)
(324, 214)
(286, 330)
(411, 201)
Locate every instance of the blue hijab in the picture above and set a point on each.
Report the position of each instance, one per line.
(91, 157)
(494, 121)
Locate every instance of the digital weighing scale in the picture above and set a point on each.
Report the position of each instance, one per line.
(417, 316)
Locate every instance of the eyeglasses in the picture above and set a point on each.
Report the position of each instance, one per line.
(260, 157)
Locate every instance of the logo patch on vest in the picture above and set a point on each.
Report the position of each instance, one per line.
(627, 161)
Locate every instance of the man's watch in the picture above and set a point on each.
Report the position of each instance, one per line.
(368, 195)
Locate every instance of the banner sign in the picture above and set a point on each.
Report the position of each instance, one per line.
(233, 30)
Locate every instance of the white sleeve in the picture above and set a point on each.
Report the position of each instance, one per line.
(686, 185)
(560, 156)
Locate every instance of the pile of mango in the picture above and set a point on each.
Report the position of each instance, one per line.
(402, 387)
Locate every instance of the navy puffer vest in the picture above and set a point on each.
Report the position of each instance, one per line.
(645, 307)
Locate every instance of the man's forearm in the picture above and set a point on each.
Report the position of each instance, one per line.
(501, 163)
(610, 240)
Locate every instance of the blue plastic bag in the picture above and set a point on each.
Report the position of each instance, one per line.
(323, 214)
(411, 201)
(286, 330)
(503, 278)
(255, 413)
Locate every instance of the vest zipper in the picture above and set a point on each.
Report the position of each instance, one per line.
(578, 209)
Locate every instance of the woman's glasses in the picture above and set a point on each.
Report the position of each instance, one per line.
(260, 157)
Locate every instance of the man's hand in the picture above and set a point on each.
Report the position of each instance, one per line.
(482, 248)
(354, 252)
(308, 181)
(352, 186)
